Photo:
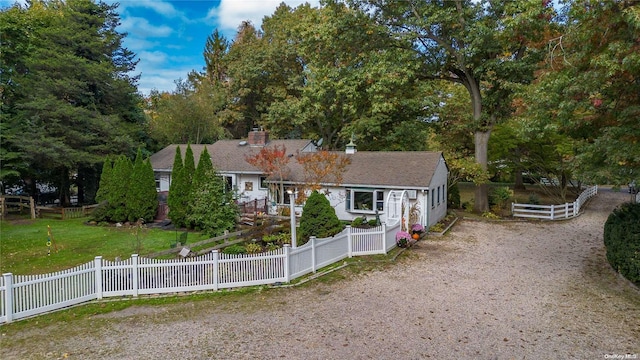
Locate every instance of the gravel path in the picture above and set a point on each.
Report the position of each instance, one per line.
(523, 290)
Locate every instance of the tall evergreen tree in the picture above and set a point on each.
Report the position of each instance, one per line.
(106, 183)
(68, 99)
(121, 177)
(203, 169)
(142, 198)
(188, 172)
(180, 190)
(173, 200)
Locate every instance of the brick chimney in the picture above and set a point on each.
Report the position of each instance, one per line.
(258, 137)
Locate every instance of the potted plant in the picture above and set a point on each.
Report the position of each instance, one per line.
(402, 239)
(417, 229)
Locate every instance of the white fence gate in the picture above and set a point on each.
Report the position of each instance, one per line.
(553, 212)
(22, 296)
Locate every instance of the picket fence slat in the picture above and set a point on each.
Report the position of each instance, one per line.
(23, 296)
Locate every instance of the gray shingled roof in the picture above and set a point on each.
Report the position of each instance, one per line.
(226, 155)
(407, 169)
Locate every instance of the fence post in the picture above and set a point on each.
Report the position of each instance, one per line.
(32, 206)
(553, 208)
(287, 253)
(312, 239)
(349, 242)
(216, 256)
(384, 238)
(134, 274)
(8, 296)
(566, 210)
(97, 265)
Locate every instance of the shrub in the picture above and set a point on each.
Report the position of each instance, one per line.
(622, 241)
(318, 218)
(212, 208)
(500, 196)
(277, 239)
(357, 222)
(272, 247)
(437, 228)
(490, 215)
(253, 248)
(453, 197)
(101, 213)
(534, 199)
(235, 249)
(373, 222)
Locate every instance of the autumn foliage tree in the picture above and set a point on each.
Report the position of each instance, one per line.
(322, 167)
(272, 161)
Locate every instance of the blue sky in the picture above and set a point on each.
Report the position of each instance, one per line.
(169, 36)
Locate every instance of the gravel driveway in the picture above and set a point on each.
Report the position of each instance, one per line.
(514, 290)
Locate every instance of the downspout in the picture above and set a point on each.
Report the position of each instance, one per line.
(425, 197)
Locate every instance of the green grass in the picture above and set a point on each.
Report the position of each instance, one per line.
(23, 244)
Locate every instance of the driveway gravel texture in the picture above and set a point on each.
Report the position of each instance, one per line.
(485, 290)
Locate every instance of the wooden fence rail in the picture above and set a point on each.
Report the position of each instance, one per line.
(16, 203)
(67, 212)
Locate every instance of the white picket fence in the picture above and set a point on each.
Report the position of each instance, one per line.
(553, 212)
(23, 296)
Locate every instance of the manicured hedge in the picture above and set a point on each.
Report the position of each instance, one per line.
(622, 240)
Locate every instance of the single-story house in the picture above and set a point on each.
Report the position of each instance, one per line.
(366, 184)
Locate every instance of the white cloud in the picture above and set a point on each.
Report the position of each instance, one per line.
(231, 13)
(160, 79)
(141, 28)
(155, 57)
(163, 8)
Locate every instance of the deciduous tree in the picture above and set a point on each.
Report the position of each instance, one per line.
(485, 46)
(272, 161)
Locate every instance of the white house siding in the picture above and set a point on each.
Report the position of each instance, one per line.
(248, 186)
(337, 198)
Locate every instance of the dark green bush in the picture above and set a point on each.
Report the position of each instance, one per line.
(500, 196)
(357, 222)
(235, 249)
(318, 219)
(622, 240)
(453, 197)
(101, 213)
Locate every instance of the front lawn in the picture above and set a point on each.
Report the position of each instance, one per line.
(23, 244)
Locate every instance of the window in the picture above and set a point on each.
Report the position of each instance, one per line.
(438, 195)
(248, 186)
(157, 183)
(433, 202)
(364, 200)
(263, 182)
(228, 180)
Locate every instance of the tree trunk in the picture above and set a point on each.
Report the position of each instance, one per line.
(481, 203)
(519, 181)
